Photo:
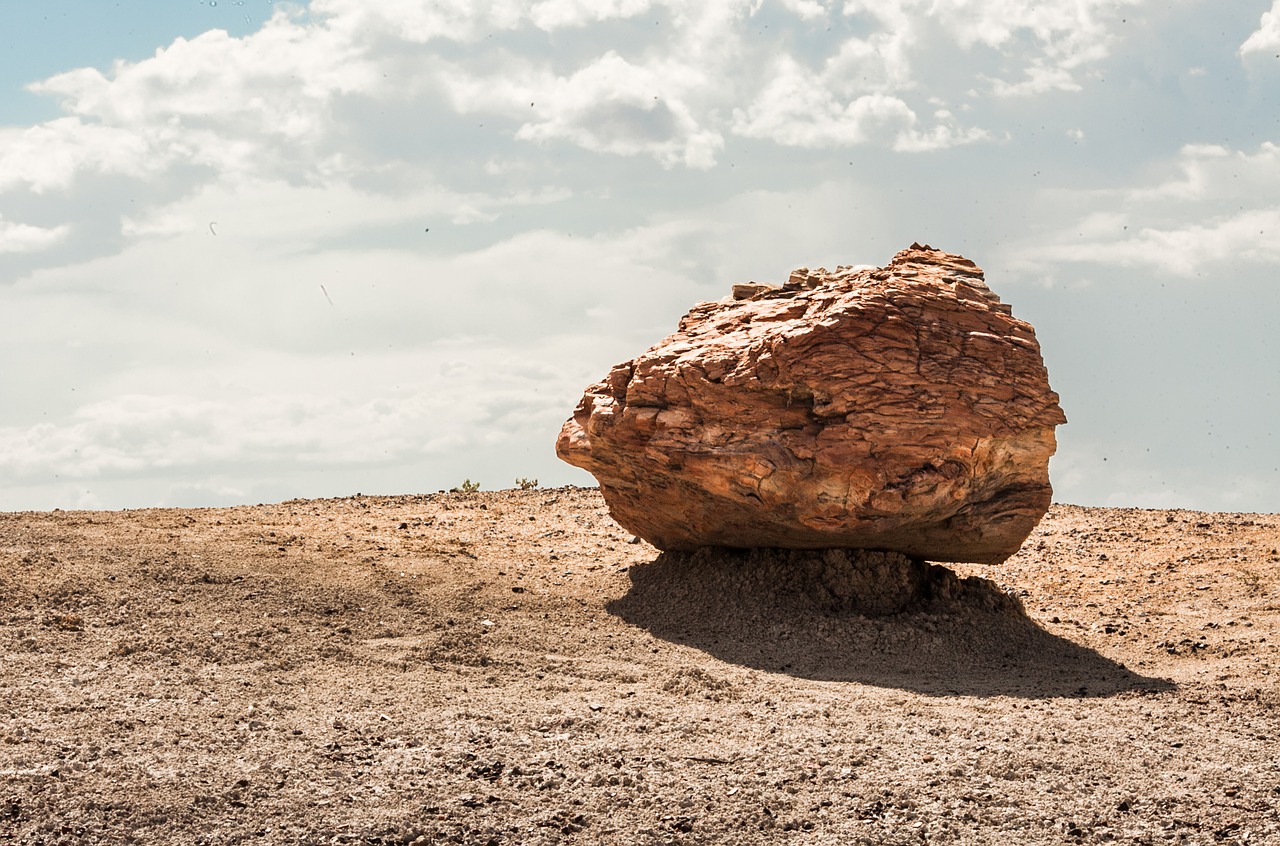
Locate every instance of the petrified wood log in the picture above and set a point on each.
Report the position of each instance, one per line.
(901, 408)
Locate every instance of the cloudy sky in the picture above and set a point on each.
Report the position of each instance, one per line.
(252, 251)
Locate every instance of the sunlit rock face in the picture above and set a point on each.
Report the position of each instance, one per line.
(900, 408)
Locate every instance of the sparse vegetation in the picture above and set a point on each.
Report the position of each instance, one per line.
(526, 484)
(467, 486)
(1252, 580)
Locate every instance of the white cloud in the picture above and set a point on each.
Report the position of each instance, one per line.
(556, 14)
(880, 63)
(1206, 211)
(1038, 79)
(131, 434)
(675, 99)
(609, 106)
(418, 21)
(229, 105)
(1248, 236)
(799, 109)
(283, 218)
(862, 93)
(265, 103)
(21, 238)
(50, 156)
(275, 80)
(1067, 31)
(661, 96)
(805, 9)
(1266, 39)
(1041, 45)
(467, 22)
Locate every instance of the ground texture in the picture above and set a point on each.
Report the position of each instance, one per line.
(509, 668)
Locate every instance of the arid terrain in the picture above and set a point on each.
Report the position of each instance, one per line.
(509, 668)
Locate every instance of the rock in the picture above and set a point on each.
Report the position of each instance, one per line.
(901, 408)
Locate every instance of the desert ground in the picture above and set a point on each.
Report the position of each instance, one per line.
(511, 667)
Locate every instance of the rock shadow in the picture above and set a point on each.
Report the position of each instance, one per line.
(870, 617)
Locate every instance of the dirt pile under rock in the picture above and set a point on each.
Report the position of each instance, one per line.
(859, 616)
(806, 581)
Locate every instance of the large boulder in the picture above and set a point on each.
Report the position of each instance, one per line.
(900, 408)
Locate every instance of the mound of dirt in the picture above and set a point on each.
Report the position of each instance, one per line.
(806, 581)
(507, 668)
(861, 616)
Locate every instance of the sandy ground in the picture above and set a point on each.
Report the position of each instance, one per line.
(507, 667)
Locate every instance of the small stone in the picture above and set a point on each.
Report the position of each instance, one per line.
(747, 290)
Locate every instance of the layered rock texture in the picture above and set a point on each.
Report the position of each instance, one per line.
(900, 408)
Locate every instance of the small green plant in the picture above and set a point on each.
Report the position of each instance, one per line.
(1252, 580)
(526, 484)
(467, 486)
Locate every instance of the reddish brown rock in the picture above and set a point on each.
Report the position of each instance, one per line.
(901, 408)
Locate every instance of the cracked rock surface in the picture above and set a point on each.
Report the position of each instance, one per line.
(900, 408)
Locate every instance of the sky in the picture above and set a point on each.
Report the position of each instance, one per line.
(254, 250)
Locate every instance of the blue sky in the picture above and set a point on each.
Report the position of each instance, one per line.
(46, 38)
(257, 250)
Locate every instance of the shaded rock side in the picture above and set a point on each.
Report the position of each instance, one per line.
(900, 408)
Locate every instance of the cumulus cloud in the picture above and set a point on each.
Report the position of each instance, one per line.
(50, 156)
(867, 90)
(466, 401)
(132, 434)
(273, 81)
(806, 9)
(419, 22)
(610, 106)
(1038, 79)
(277, 217)
(21, 238)
(1186, 249)
(231, 105)
(1266, 38)
(661, 96)
(555, 14)
(1041, 46)
(266, 102)
(670, 98)
(212, 110)
(467, 22)
(1204, 212)
(799, 109)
